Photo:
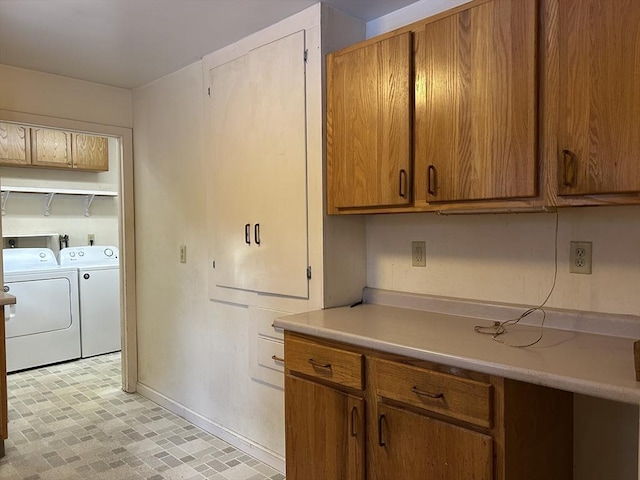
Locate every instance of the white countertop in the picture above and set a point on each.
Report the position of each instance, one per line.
(592, 364)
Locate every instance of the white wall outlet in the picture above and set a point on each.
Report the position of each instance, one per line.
(91, 238)
(580, 257)
(418, 254)
(183, 254)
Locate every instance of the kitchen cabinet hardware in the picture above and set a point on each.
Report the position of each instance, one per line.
(275, 358)
(431, 180)
(247, 233)
(422, 393)
(256, 233)
(403, 183)
(319, 364)
(381, 441)
(569, 171)
(354, 420)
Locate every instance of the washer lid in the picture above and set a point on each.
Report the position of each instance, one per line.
(18, 259)
(88, 255)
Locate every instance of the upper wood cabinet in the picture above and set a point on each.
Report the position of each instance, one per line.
(475, 104)
(369, 133)
(15, 144)
(598, 97)
(49, 148)
(90, 152)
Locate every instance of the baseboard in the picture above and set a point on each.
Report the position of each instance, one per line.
(238, 441)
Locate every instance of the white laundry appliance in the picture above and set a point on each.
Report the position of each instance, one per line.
(99, 285)
(43, 327)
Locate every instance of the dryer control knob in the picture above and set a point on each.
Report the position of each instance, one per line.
(81, 253)
(86, 276)
(72, 254)
(6, 288)
(108, 252)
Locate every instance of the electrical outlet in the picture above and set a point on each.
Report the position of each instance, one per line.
(183, 254)
(580, 257)
(418, 254)
(91, 238)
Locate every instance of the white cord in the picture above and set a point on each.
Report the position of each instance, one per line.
(500, 328)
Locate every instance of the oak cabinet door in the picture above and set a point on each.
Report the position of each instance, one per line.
(50, 148)
(15, 144)
(369, 161)
(415, 447)
(325, 436)
(90, 152)
(475, 104)
(599, 96)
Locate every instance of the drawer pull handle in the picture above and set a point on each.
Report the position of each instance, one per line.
(422, 393)
(320, 365)
(381, 441)
(277, 359)
(354, 419)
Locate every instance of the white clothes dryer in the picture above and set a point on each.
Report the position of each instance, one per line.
(43, 327)
(99, 285)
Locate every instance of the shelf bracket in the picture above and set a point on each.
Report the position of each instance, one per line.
(88, 200)
(48, 198)
(5, 196)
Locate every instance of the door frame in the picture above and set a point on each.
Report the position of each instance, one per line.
(126, 230)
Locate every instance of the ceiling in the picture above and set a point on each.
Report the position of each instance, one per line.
(128, 43)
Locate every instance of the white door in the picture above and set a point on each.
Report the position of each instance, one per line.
(259, 154)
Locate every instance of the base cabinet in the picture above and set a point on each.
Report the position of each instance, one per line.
(420, 420)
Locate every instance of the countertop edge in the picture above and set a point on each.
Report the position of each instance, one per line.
(7, 299)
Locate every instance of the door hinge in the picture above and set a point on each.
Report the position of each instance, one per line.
(309, 272)
(306, 55)
(209, 91)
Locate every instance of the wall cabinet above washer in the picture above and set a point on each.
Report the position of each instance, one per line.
(39, 147)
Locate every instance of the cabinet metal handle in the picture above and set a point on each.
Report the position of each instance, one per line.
(354, 419)
(319, 365)
(277, 359)
(381, 441)
(256, 233)
(422, 393)
(569, 163)
(431, 180)
(403, 183)
(247, 233)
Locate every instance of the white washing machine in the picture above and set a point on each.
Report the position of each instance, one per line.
(99, 286)
(43, 327)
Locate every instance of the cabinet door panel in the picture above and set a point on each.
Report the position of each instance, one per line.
(325, 436)
(51, 148)
(475, 108)
(416, 447)
(599, 144)
(90, 152)
(369, 125)
(15, 146)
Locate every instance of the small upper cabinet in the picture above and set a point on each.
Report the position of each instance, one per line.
(50, 148)
(475, 104)
(599, 97)
(90, 152)
(369, 101)
(15, 144)
(23, 146)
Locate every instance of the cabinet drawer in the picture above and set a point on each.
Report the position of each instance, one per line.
(461, 398)
(264, 320)
(320, 361)
(270, 354)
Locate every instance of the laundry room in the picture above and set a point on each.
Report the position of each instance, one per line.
(60, 229)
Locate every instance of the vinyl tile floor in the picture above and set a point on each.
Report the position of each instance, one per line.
(72, 421)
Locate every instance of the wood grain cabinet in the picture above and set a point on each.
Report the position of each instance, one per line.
(598, 97)
(421, 420)
(369, 101)
(15, 144)
(24, 146)
(475, 104)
